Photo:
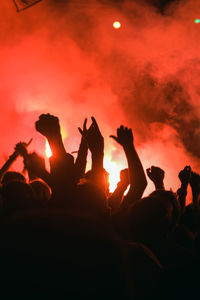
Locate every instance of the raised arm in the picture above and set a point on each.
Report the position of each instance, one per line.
(95, 143)
(116, 198)
(81, 160)
(62, 169)
(48, 125)
(137, 176)
(11, 159)
(184, 176)
(8, 164)
(34, 164)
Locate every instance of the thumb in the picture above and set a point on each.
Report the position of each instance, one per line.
(114, 138)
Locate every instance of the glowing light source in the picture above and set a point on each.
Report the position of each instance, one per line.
(114, 173)
(48, 150)
(197, 21)
(113, 168)
(116, 24)
(63, 133)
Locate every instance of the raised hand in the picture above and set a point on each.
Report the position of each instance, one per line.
(48, 125)
(116, 198)
(157, 175)
(93, 136)
(185, 175)
(12, 158)
(84, 131)
(137, 177)
(124, 136)
(21, 148)
(95, 143)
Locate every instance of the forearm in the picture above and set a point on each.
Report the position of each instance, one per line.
(8, 163)
(159, 186)
(97, 168)
(137, 176)
(31, 175)
(44, 175)
(115, 199)
(81, 160)
(61, 162)
(195, 198)
(182, 193)
(56, 145)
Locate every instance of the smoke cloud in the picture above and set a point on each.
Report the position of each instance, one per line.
(65, 58)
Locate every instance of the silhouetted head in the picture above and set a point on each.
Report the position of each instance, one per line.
(88, 177)
(42, 191)
(153, 218)
(17, 195)
(13, 176)
(90, 199)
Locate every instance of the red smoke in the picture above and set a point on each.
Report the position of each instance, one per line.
(66, 59)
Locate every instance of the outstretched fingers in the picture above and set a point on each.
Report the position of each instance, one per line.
(85, 125)
(81, 131)
(29, 142)
(95, 125)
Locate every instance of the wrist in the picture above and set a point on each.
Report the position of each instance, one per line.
(56, 143)
(98, 154)
(83, 144)
(184, 185)
(128, 147)
(97, 160)
(14, 155)
(122, 185)
(159, 186)
(52, 137)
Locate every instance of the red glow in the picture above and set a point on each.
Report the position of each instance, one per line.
(50, 62)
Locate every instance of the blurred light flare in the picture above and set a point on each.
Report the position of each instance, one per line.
(116, 24)
(48, 151)
(113, 168)
(197, 21)
(63, 133)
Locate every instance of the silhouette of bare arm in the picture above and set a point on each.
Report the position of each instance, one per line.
(81, 160)
(95, 143)
(137, 176)
(184, 176)
(116, 198)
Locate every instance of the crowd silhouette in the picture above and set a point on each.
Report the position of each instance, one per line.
(64, 235)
